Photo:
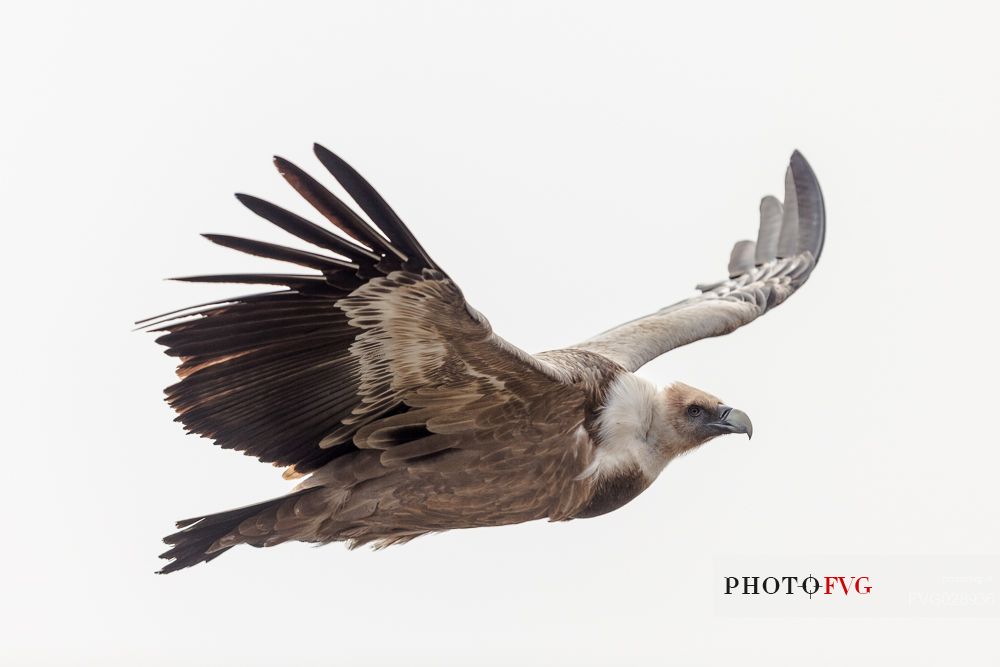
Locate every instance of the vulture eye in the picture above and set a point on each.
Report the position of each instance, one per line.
(694, 411)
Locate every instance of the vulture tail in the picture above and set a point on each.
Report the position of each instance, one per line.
(205, 538)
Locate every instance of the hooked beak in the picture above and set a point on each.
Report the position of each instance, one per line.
(732, 420)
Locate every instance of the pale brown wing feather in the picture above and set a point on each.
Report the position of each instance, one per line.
(762, 276)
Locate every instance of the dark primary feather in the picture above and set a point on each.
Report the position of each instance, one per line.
(307, 231)
(335, 210)
(286, 279)
(378, 210)
(281, 253)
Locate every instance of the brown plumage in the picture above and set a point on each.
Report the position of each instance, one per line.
(374, 381)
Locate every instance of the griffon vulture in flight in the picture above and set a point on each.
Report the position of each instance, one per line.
(371, 377)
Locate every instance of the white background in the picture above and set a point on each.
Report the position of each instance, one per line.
(571, 166)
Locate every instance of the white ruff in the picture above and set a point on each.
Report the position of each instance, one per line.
(628, 439)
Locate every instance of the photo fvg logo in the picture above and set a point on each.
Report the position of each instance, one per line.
(843, 586)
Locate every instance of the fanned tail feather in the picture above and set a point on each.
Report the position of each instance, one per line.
(205, 538)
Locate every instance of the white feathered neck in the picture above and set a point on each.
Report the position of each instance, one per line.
(629, 425)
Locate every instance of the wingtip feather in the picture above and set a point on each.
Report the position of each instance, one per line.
(811, 209)
(741, 260)
(372, 203)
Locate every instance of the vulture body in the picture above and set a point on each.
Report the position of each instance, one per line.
(373, 380)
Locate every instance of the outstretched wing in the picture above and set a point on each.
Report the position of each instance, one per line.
(377, 337)
(761, 276)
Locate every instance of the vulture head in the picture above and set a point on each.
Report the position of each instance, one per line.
(690, 417)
